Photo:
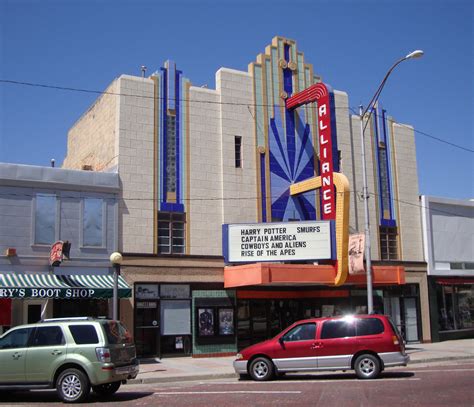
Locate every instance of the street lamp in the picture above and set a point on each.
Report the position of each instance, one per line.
(116, 260)
(365, 195)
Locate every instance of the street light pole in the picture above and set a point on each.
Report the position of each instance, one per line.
(116, 259)
(365, 193)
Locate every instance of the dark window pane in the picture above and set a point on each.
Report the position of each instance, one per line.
(16, 339)
(84, 334)
(303, 332)
(337, 329)
(48, 336)
(116, 333)
(369, 326)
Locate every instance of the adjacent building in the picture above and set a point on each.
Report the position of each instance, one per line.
(40, 206)
(191, 159)
(448, 231)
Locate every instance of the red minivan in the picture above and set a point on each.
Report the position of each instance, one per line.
(366, 343)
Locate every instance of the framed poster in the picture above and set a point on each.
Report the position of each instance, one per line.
(205, 321)
(226, 321)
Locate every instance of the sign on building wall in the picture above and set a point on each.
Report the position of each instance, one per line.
(356, 253)
(248, 243)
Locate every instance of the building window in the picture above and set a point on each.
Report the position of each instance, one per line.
(388, 243)
(171, 232)
(93, 228)
(455, 306)
(45, 219)
(238, 151)
(170, 153)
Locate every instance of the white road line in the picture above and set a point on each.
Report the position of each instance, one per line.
(309, 380)
(443, 370)
(176, 393)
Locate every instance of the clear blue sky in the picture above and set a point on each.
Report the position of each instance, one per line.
(351, 44)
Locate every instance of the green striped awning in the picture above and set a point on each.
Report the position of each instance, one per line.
(44, 285)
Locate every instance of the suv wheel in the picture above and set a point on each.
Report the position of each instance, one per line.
(73, 386)
(367, 366)
(261, 369)
(106, 389)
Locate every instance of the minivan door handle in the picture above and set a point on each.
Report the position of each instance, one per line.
(56, 352)
(317, 345)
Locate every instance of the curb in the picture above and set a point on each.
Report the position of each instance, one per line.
(442, 359)
(170, 379)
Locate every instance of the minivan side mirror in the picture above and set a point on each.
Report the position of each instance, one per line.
(282, 341)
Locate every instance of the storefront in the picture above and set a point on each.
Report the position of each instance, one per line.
(30, 297)
(261, 314)
(453, 317)
(183, 319)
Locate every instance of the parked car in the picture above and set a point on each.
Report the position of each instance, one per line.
(366, 343)
(69, 354)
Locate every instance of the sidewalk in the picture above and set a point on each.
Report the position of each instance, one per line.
(188, 368)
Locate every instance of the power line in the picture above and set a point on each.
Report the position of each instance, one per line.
(417, 131)
(97, 92)
(219, 199)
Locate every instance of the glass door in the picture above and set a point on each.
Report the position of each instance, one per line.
(147, 328)
(410, 319)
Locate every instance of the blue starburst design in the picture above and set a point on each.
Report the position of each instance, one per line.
(291, 160)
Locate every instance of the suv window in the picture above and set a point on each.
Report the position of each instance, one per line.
(369, 326)
(16, 339)
(48, 336)
(116, 333)
(84, 334)
(338, 329)
(301, 332)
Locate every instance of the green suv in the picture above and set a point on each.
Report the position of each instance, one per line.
(69, 354)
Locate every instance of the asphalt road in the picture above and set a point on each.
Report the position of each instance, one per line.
(428, 385)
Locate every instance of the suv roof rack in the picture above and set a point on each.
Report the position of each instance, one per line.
(67, 319)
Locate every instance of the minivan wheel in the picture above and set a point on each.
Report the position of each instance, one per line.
(106, 389)
(261, 369)
(73, 386)
(367, 366)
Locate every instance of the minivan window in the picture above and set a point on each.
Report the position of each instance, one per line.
(116, 333)
(301, 332)
(337, 329)
(16, 339)
(48, 336)
(369, 326)
(84, 334)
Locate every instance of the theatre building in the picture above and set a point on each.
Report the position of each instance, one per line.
(40, 206)
(192, 160)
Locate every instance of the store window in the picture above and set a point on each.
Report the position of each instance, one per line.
(45, 219)
(93, 222)
(171, 232)
(215, 321)
(456, 307)
(388, 243)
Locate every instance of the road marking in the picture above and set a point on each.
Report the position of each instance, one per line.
(349, 380)
(444, 370)
(175, 393)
